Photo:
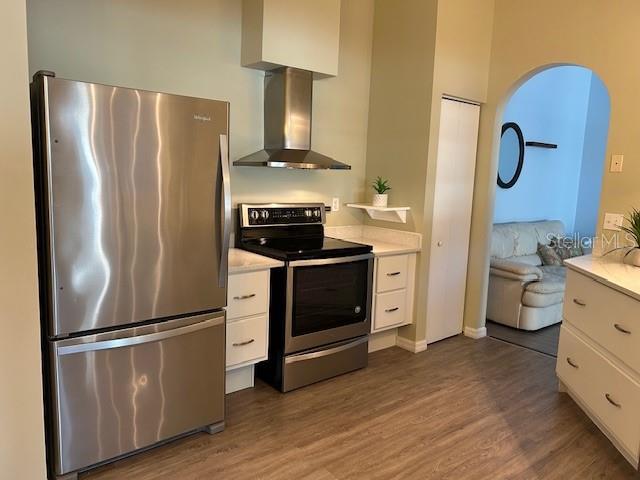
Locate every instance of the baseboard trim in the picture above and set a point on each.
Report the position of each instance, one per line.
(410, 345)
(475, 333)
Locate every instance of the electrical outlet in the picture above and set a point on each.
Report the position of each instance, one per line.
(335, 204)
(613, 221)
(616, 163)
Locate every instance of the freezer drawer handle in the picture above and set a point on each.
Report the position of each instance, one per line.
(323, 353)
(242, 344)
(393, 274)
(389, 310)
(244, 297)
(621, 329)
(612, 401)
(138, 340)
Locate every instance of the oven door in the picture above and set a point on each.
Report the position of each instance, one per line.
(328, 300)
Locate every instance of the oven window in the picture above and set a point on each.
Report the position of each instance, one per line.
(329, 296)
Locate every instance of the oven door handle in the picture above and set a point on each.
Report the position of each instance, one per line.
(323, 353)
(330, 261)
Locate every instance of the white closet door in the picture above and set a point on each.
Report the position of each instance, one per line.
(451, 225)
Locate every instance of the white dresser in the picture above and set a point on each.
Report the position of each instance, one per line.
(393, 286)
(599, 352)
(247, 316)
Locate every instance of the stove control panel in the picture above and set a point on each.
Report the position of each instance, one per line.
(272, 214)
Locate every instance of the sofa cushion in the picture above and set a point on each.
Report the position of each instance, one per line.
(518, 239)
(528, 259)
(549, 255)
(566, 247)
(549, 290)
(554, 271)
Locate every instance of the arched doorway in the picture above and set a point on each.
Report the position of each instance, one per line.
(549, 176)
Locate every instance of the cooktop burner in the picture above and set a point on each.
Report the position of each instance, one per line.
(291, 232)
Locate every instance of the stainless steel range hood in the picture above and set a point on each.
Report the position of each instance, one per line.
(287, 124)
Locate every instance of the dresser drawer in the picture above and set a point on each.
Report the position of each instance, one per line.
(392, 273)
(391, 309)
(247, 340)
(248, 294)
(608, 392)
(607, 316)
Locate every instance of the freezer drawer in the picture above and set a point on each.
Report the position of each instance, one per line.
(116, 392)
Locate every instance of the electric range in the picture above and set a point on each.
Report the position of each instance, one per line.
(320, 301)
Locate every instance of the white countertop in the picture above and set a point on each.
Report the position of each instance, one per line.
(243, 261)
(381, 249)
(385, 241)
(609, 271)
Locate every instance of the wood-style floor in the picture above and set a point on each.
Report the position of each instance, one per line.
(463, 409)
(544, 340)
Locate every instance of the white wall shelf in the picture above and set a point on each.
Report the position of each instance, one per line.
(388, 214)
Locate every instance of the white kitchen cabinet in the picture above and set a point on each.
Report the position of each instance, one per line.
(449, 250)
(598, 355)
(247, 327)
(303, 34)
(394, 286)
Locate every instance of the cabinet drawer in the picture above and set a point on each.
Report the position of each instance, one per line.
(391, 309)
(247, 340)
(607, 316)
(392, 273)
(609, 393)
(248, 294)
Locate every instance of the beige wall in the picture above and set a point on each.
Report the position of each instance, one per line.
(193, 48)
(400, 104)
(603, 36)
(422, 50)
(22, 430)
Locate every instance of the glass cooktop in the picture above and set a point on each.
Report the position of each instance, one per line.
(298, 248)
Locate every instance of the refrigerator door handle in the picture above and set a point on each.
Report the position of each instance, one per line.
(226, 210)
(137, 340)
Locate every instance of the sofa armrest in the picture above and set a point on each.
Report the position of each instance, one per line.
(522, 272)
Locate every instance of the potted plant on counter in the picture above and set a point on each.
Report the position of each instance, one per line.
(632, 257)
(380, 198)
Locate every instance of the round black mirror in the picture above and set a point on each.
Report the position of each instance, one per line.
(511, 157)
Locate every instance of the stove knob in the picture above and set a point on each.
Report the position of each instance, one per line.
(316, 213)
(264, 214)
(307, 213)
(254, 214)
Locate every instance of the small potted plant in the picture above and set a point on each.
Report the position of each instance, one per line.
(380, 198)
(632, 257)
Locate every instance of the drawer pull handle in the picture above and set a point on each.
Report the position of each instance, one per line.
(621, 329)
(242, 344)
(244, 297)
(578, 302)
(572, 363)
(393, 274)
(389, 310)
(612, 401)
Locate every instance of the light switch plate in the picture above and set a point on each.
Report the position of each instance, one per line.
(613, 221)
(616, 163)
(335, 204)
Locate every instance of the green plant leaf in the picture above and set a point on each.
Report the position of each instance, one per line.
(381, 186)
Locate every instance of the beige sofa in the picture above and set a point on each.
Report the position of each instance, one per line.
(523, 293)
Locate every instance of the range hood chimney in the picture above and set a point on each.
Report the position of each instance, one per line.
(287, 124)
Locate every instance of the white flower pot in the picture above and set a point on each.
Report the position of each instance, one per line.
(380, 199)
(633, 257)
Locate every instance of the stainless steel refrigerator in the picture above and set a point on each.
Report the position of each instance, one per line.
(133, 219)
